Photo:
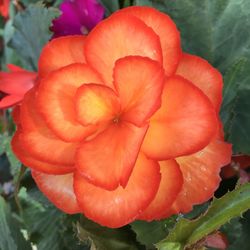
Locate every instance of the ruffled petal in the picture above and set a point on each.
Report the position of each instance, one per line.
(61, 193)
(61, 52)
(116, 37)
(201, 175)
(165, 28)
(139, 83)
(38, 140)
(56, 100)
(185, 123)
(170, 186)
(109, 158)
(95, 104)
(202, 75)
(121, 206)
(34, 163)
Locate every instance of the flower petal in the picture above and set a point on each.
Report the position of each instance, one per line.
(61, 52)
(201, 175)
(185, 123)
(33, 163)
(119, 207)
(61, 193)
(37, 138)
(9, 101)
(165, 28)
(96, 103)
(139, 83)
(109, 158)
(116, 37)
(202, 75)
(170, 186)
(56, 100)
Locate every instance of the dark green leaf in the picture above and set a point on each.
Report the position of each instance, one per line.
(149, 233)
(32, 32)
(103, 238)
(218, 30)
(188, 232)
(10, 230)
(110, 5)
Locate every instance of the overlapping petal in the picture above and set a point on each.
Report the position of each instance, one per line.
(111, 40)
(61, 52)
(121, 206)
(185, 123)
(139, 83)
(61, 193)
(108, 159)
(56, 100)
(165, 28)
(95, 104)
(202, 75)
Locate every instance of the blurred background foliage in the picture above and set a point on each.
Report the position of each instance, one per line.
(217, 30)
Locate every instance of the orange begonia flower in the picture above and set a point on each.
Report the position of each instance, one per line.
(123, 125)
(14, 84)
(4, 8)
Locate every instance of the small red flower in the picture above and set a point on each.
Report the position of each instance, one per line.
(123, 125)
(4, 8)
(14, 84)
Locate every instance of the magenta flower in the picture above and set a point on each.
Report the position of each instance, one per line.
(78, 17)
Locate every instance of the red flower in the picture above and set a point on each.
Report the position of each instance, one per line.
(123, 125)
(4, 8)
(14, 84)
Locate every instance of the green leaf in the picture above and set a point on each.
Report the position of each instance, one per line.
(188, 232)
(10, 230)
(47, 227)
(110, 5)
(103, 238)
(218, 30)
(5, 146)
(149, 233)
(32, 32)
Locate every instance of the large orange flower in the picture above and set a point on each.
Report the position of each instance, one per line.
(123, 125)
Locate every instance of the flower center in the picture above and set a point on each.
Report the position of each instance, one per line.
(116, 119)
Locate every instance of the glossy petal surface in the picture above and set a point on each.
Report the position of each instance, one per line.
(61, 193)
(111, 40)
(166, 29)
(109, 158)
(61, 52)
(139, 83)
(185, 123)
(202, 75)
(170, 186)
(96, 103)
(119, 207)
(201, 175)
(56, 100)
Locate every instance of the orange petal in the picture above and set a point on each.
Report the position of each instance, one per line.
(170, 186)
(56, 100)
(61, 52)
(38, 140)
(33, 163)
(121, 206)
(201, 175)
(109, 158)
(61, 193)
(116, 37)
(165, 28)
(96, 103)
(202, 75)
(185, 123)
(139, 83)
